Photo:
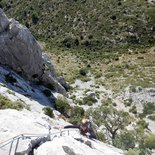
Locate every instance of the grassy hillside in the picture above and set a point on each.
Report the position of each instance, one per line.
(91, 25)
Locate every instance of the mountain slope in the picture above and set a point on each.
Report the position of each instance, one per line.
(86, 24)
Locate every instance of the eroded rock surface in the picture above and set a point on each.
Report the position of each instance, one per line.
(20, 51)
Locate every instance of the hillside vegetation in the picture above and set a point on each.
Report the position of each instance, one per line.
(110, 38)
(87, 24)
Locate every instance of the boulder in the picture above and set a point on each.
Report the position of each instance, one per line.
(20, 51)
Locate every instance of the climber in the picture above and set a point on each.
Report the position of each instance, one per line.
(85, 128)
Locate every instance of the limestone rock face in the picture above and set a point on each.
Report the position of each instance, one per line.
(20, 51)
(4, 21)
(31, 124)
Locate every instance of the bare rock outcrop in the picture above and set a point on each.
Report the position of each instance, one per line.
(20, 51)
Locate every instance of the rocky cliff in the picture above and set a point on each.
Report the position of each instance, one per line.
(30, 127)
(34, 127)
(20, 51)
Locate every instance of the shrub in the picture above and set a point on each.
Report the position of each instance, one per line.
(138, 151)
(150, 141)
(107, 102)
(83, 71)
(142, 123)
(89, 100)
(70, 42)
(128, 102)
(80, 102)
(8, 104)
(125, 140)
(140, 57)
(98, 75)
(133, 89)
(35, 18)
(77, 112)
(152, 117)
(48, 111)
(133, 109)
(133, 152)
(74, 120)
(100, 136)
(148, 108)
(114, 104)
(62, 106)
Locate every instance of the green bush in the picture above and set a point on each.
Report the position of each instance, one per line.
(128, 102)
(107, 102)
(77, 112)
(35, 18)
(100, 136)
(74, 120)
(133, 109)
(62, 106)
(152, 117)
(114, 104)
(48, 111)
(79, 101)
(125, 140)
(8, 104)
(133, 152)
(133, 89)
(150, 142)
(142, 123)
(148, 108)
(83, 71)
(70, 42)
(89, 100)
(138, 151)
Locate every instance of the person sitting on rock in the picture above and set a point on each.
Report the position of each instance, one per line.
(85, 128)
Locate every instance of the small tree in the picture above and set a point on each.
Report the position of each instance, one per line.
(111, 118)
